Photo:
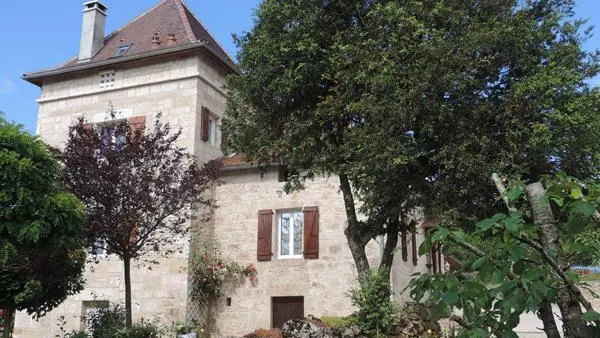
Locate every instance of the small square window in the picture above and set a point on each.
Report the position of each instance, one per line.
(122, 50)
(290, 233)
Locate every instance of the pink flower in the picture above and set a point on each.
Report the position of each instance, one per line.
(251, 279)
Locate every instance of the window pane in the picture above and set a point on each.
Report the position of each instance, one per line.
(284, 232)
(298, 227)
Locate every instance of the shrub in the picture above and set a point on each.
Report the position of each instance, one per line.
(336, 322)
(376, 311)
(143, 329)
(106, 322)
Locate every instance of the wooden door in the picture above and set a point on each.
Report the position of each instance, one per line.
(286, 308)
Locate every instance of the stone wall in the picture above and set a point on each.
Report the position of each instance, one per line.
(177, 88)
(323, 282)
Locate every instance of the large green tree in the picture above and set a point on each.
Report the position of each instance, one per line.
(41, 228)
(415, 103)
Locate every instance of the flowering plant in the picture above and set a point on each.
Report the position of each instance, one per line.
(213, 275)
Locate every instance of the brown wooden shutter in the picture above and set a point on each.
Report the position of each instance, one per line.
(415, 252)
(265, 230)
(311, 232)
(404, 247)
(204, 115)
(136, 123)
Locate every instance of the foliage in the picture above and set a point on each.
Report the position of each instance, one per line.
(213, 274)
(513, 276)
(140, 188)
(41, 227)
(336, 322)
(415, 103)
(376, 311)
(591, 240)
(143, 329)
(106, 322)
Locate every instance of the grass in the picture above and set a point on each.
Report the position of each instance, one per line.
(336, 322)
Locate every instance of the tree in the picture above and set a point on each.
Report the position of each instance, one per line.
(528, 267)
(140, 189)
(41, 228)
(415, 103)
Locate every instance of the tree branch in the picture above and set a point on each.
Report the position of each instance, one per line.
(573, 289)
(460, 321)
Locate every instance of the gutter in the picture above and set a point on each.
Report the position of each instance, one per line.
(34, 77)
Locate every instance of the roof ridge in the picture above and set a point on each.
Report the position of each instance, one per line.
(184, 19)
(109, 36)
(205, 28)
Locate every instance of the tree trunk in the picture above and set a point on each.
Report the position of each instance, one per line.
(353, 231)
(547, 317)
(127, 272)
(573, 324)
(387, 258)
(9, 322)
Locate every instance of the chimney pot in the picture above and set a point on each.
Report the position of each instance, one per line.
(92, 29)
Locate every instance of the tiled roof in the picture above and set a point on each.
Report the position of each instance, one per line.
(167, 17)
(234, 160)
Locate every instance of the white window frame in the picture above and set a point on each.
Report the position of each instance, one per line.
(280, 213)
(212, 130)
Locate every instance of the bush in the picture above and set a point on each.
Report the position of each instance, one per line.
(336, 322)
(376, 311)
(106, 322)
(143, 329)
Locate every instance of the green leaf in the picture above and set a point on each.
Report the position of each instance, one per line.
(585, 208)
(478, 263)
(425, 247)
(591, 316)
(440, 235)
(512, 224)
(459, 236)
(576, 193)
(488, 223)
(514, 193)
(450, 298)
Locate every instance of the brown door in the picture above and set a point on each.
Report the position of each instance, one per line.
(286, 308)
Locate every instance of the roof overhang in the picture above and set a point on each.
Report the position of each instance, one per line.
(37, 78)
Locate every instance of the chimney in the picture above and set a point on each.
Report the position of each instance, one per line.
(92, 30)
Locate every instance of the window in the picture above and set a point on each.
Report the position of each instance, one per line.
(99, 247)
(90, 306)
(208, 128)
(107, 79)
(297, 234)
(113, 133)
(212, 131)
(122, 50)
(291, 231)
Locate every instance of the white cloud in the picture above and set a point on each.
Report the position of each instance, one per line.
(6, 86)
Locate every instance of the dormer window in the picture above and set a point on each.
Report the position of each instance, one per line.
(122, 50)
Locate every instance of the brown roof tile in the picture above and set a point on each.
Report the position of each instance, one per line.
(234, 160)
(167, 17)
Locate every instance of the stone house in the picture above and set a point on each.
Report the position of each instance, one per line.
(166, 61)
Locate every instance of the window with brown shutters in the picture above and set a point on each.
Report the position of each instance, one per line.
(311, 233)
(265, 231)
(205, 117)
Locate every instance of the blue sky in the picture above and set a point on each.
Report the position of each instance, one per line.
(40, 33)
